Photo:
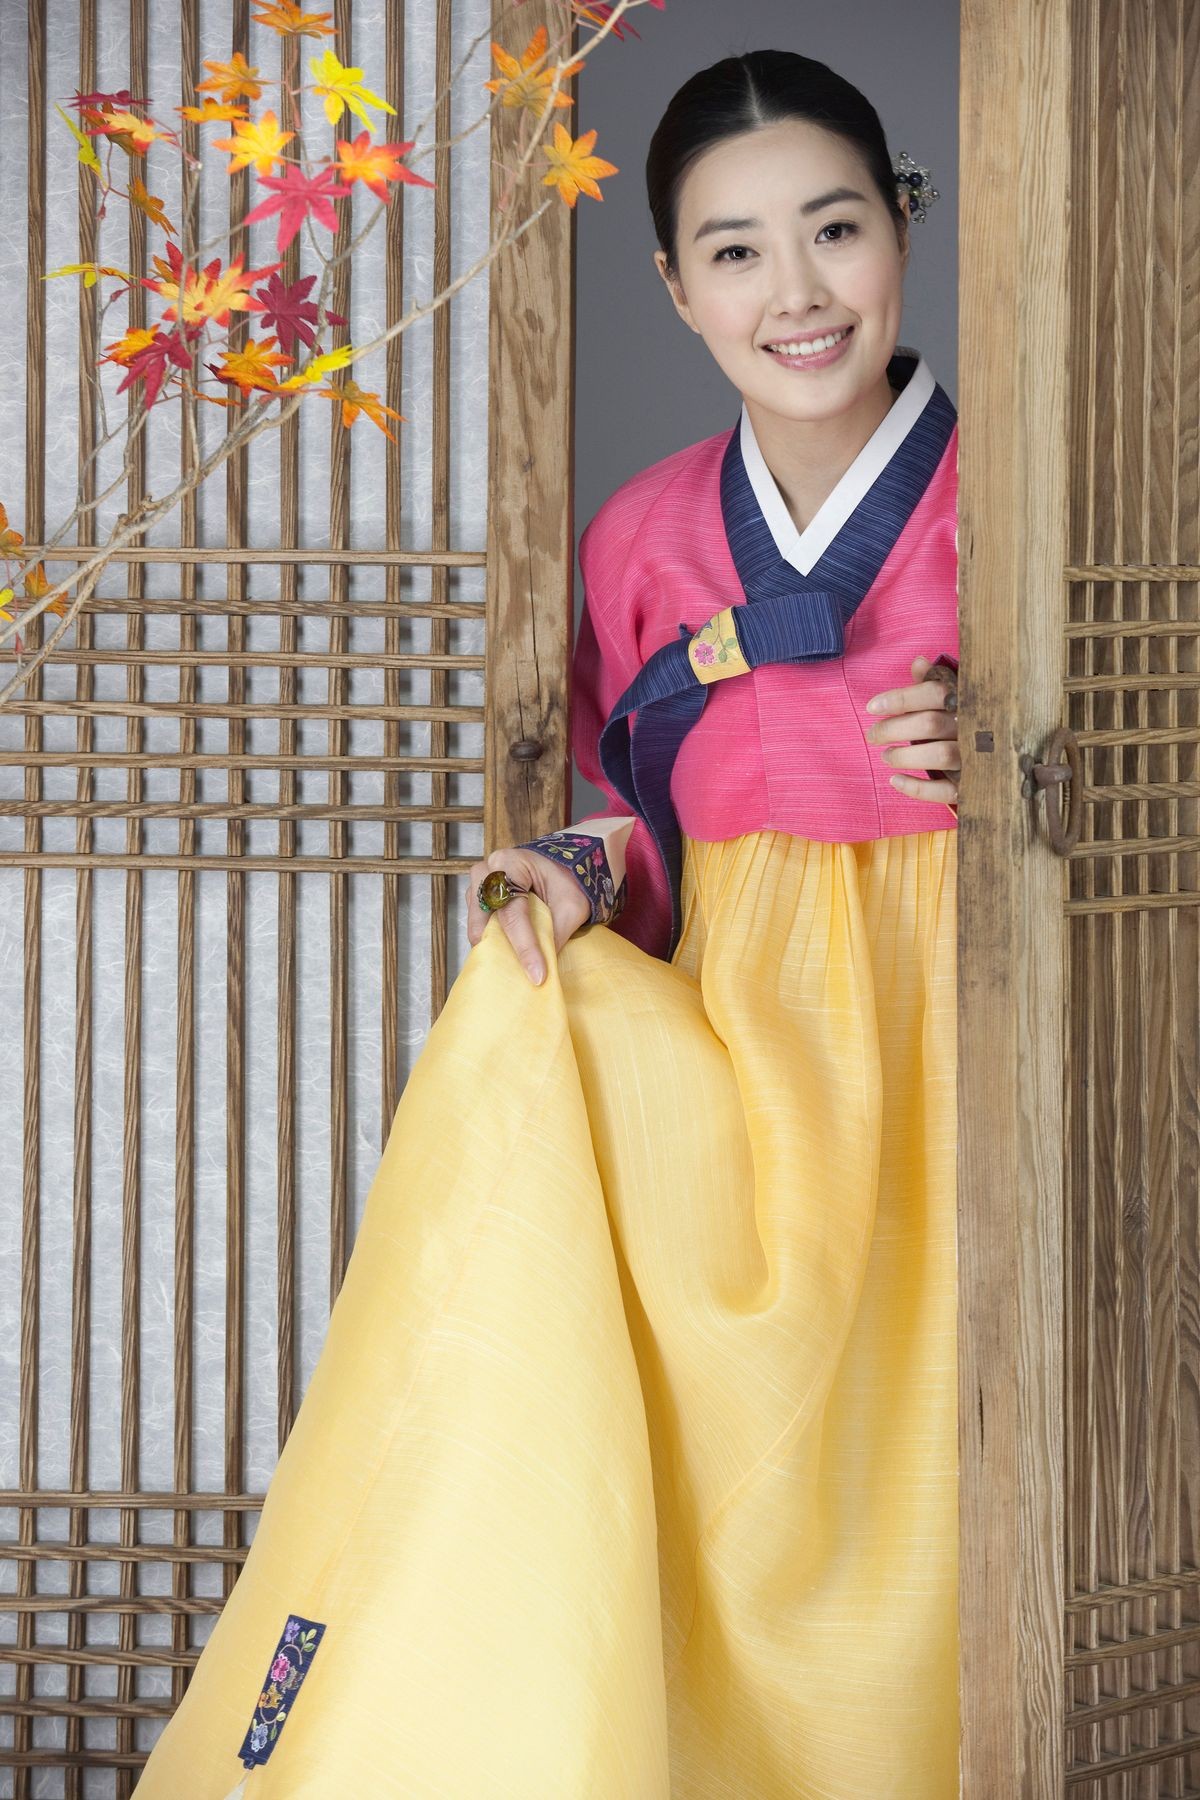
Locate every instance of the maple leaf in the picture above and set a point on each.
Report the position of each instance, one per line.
(343, 88)
(375, 164)
(125, 128)
(290, 312)
(257, 141)
(210, 110)
(150, 204)
(287, 19)
(597, 11)
(36, 584)
(321, 364)
(150, 364)
(573, 169)
(122, 97)
(526, 83)
(354, 400)
(9, 539)
(207, 293)
(6, 599)
(251, 366)
(86, 152)
(127, 347)
(90, 272)
(294, 196)
(233, 78)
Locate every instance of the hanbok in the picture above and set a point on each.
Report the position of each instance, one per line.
(628, 1470)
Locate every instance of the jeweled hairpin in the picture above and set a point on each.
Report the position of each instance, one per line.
(915, 180)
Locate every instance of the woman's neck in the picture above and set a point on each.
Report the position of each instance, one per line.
(808, 458)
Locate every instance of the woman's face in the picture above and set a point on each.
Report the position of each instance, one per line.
(756, 267)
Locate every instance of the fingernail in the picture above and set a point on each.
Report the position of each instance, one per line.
(536, 973)
(875, 705)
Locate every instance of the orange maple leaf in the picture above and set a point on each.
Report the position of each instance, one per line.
(354, 400)
(375, 164)
(233, 78)
(257, 141)
(251, 366)
(9, 538)
(526, 83)
(287, 19)
(210, 110)
(150, 204)
(573, 169)
(208, 293)
(36, 584)
(126, 348)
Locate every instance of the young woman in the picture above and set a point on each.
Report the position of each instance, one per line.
(628, 1471)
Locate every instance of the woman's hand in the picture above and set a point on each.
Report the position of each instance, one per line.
(918, 712)
(569, 908)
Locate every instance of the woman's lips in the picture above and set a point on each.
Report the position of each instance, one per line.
(820, 359)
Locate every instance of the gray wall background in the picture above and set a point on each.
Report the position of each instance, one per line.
(645, 384)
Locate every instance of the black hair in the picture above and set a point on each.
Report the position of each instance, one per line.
(743, 93)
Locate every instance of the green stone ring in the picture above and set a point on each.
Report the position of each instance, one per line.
(496, 890)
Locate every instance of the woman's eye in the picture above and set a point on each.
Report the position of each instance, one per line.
(846, 227)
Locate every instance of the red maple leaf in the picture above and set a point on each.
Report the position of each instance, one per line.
(118, 101)
(150, 364)
(294, 195)
(290, 313)
(597, 11)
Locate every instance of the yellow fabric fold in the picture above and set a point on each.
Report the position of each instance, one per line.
(628, 1468)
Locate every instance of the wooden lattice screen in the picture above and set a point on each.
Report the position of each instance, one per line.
(1132, 603)
(235, 814)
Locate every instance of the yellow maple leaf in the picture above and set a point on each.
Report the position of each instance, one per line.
(257, 141)
(210, 110)
(354, 400)
(322, 364)
(573, 169)
(125, 128)
(251, 366)
(87, 150)
(6, 598)
(343, 88)
(150, 204)
(526, 83)
(287, 19)
(90, 271)
(233, 78)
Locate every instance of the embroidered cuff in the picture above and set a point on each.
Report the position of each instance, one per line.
(586, 856)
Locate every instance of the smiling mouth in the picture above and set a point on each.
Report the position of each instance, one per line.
(815, 346)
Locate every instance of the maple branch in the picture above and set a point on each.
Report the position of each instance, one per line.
(86, 575)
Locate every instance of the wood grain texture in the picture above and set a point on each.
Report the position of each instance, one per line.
(531, 532)
(1015, 111)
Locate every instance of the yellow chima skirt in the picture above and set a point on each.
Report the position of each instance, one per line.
(628, 1470)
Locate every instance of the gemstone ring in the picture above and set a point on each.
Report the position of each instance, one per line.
(496, 890)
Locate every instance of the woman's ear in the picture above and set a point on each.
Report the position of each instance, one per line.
(675, 289)
(905, 233)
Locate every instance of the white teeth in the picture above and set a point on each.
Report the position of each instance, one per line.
(812, 348)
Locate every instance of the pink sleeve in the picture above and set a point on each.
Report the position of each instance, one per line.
(605, 662)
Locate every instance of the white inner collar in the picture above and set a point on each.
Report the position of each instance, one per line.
(804, 549)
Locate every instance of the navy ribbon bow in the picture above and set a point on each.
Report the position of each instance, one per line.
(786, 617)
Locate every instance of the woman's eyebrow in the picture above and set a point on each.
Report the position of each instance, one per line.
(809, 206)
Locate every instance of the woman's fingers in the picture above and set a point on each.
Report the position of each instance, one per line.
(556, 886)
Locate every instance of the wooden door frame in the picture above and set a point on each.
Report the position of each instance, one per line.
(1013, 344)
(1015, 126)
